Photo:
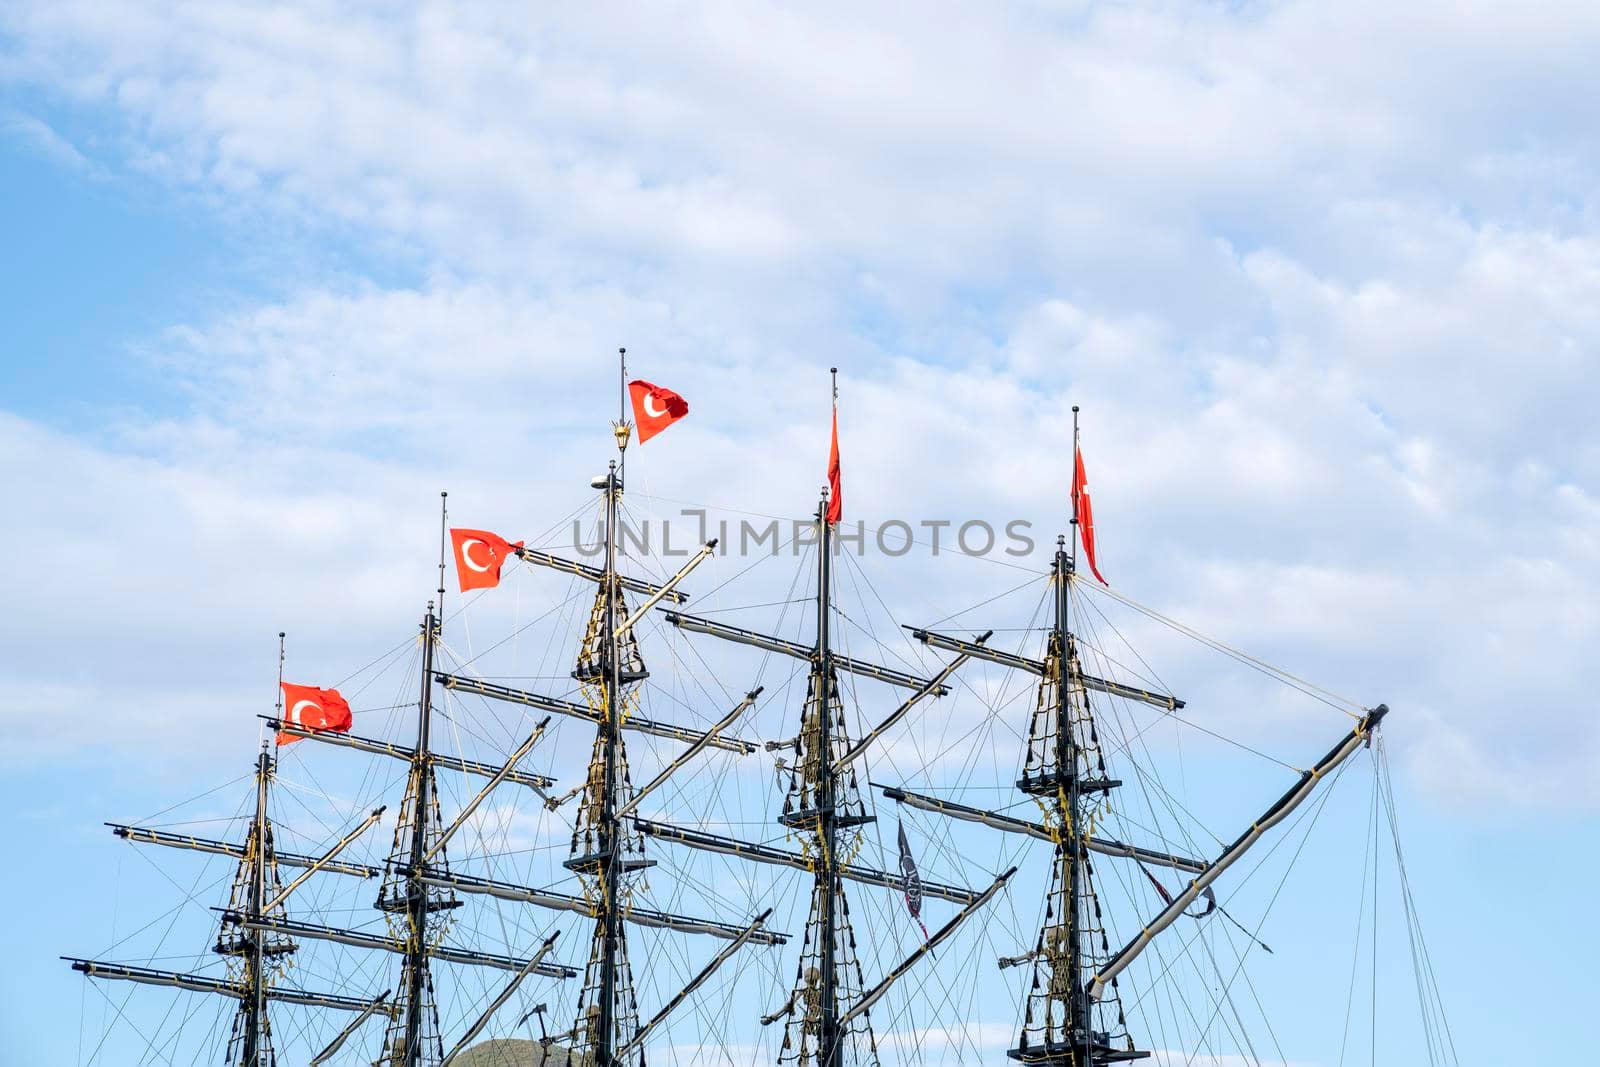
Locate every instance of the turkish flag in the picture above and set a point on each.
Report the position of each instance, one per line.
(1083, 513)
(655, 408)
(311, 708)
(835, 484)
(479, 555)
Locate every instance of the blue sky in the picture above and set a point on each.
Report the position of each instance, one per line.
(1323, 278)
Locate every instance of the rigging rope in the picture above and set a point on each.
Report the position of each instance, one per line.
(1349, 707)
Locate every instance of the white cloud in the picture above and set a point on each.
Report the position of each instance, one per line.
(983, 145)
(44, 140)
(1331, 361)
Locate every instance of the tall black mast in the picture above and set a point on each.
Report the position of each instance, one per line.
(1076, 817)
(410, 900)
(1065, 772)
(604, 854)
(1074, 972)
(255, 1020)
(417, 978)
(1074, 814)
(255, 884)
(611, 729)
(823, 800)
(255, 975)
(827, 880)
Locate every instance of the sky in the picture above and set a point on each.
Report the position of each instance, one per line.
(1324, 280)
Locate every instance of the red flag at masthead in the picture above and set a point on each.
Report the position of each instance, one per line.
(311, 708)
(655, 407)
(479, 556)
(1083, 513)
(835, 483)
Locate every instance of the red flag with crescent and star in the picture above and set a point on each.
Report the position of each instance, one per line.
(311, 708)
(655, 408)
(835, 483)
(1083, 513)
(479, 556)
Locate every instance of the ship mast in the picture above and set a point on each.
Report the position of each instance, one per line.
(816, 809)
(828, 1024)
(1075, 815)
(254, 1009)
(1058, 1024)
(611, 731)
(827, 883)
(609, 667)
(255, 927)
(417, 978)
(1074, 970)
(823, 680)
(414, 1037)
(251, 1042)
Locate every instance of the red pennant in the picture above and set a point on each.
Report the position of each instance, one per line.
(835, 484)
(479, 556)
(311, 708)
(655, 408)
(1083, 513)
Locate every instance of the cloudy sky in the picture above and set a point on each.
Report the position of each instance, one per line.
(1324, 279)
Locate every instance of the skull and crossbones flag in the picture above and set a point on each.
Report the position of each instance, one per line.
(911, 881)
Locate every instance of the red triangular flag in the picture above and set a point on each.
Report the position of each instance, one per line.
(835, 485)
(655, 408)
(479, 555)
(311, 708)
(1083, 513)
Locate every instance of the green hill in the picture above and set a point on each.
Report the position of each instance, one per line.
(512, 1053)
